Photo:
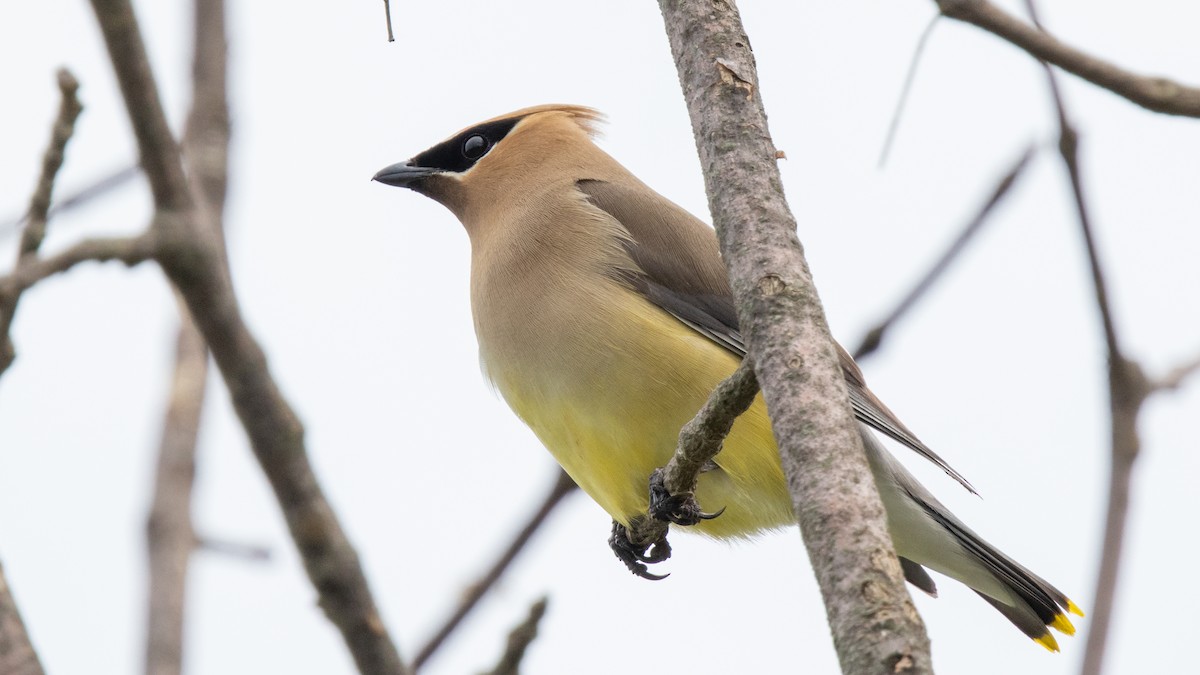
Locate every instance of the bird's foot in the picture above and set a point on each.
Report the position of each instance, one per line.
(680, 509)
(637, 552)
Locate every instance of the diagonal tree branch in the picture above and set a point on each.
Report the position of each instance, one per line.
(1153, 93)
(192, 257)
(874, 337)
(519, 640)
(909, 78)
(699, 442)
(839, 511)
(75, 199)
(563, 486)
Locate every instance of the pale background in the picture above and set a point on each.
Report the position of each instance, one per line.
(358, 293)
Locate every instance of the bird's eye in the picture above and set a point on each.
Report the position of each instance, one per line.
(474, 147)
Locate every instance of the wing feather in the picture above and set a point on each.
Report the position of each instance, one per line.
(678, 267)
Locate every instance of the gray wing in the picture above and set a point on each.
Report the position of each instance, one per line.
(680, 270)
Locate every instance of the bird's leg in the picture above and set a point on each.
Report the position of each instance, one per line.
(681, 509)
(638, 551)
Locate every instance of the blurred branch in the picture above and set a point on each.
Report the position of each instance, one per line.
(874, 337)
(169, 533)
(247, 552)
(1153, 93)
(1128, 390)
(906, 89)
(128, 250)
(35, 224)
(840, 514)
(191, 254)
(563, 486)
(17, 656)
(519, 640)
(1175, 378)
(78, 198)
(170, 536)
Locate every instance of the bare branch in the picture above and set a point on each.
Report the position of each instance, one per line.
(1177, 375)
(233, 549)
(562, 487)
(874, 337)
(103, 186)
(519, 640)
(17, 656)
(701, 438)
(128, 250)
(906, 89)
(170, 534)
(35, 227)
(1128, 389)
(64, 127)
(387, 11)
(835, 501)
(1153, 93)
(158, 151)
(192, 256)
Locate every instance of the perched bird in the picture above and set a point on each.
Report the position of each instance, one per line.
(605, 319)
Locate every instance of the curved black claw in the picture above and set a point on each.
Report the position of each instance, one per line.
(681, 509)
(637, 556)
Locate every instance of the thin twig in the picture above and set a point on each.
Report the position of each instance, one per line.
(248, 552)
(387, 11)
(701, 438)
(192, 256)
(1176, 376)
(78, 198)
(39, 204)
(563, 486)
(699, 442)
(1153, 93)
(519, 640)
(874, 337)
(906, 89)
(64, 128)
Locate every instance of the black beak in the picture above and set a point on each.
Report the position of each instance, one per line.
(403, 174)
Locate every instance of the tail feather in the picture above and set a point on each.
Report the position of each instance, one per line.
(1045, 602)
(927, 534)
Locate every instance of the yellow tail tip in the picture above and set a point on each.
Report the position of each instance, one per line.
(1062, 624)
(1074, 609)
(1048, 642)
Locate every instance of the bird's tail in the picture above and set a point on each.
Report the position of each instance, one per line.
(926, 533)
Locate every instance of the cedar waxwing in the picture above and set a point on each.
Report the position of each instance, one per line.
(605, 319)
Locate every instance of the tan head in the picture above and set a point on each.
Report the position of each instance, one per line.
(506, 155)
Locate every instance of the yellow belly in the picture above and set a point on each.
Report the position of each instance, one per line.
(610, 410)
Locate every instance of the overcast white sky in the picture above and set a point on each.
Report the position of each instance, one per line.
(358, 293)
